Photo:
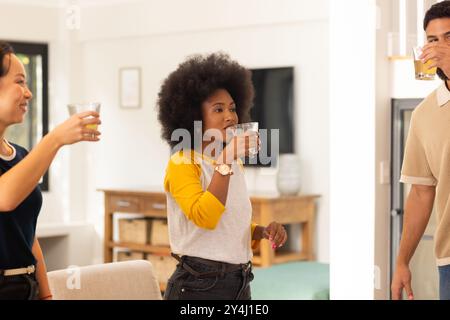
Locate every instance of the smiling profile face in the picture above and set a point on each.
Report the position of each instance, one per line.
(14, 92)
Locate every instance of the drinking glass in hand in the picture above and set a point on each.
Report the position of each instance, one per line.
(75, 108)
(422, 70)
(244, 127)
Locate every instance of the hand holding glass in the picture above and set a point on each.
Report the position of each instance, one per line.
(75, 108)
(422, 70)
(243, 128)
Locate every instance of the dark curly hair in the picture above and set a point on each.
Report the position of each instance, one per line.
(437, 11)
(183, 92)
(5, 49)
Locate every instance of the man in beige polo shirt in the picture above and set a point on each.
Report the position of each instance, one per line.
(426, 163)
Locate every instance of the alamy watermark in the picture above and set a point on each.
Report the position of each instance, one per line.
(73, 280)
(213, 142)
(73, 17)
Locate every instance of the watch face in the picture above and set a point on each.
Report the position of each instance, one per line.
(224, 169)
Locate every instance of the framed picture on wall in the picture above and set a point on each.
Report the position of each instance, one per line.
(130, 87)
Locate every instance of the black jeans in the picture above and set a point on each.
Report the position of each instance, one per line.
(184, 285)
(20, 287)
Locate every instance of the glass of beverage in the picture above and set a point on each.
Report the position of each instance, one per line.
(244, 127)
(75, 108)
(422, 70)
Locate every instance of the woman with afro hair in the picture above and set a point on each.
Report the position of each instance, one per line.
(208, 206)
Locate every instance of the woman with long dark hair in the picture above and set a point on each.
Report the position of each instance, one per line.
(23, 273)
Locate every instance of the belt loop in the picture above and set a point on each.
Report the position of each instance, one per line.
(177, 257)
(31, 269)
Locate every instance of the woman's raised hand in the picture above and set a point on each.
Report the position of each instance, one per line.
(79, 127)
(240, 146)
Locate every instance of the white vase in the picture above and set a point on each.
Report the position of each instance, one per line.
(288, 176)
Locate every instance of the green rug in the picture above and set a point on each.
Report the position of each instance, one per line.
(292, 281)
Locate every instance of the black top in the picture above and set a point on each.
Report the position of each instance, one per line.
(18, 227)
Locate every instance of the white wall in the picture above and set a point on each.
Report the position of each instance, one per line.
(352, 148)
(382, 153)
(259, 34)
(150, 17)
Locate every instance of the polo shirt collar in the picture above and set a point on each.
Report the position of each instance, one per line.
(443, 95)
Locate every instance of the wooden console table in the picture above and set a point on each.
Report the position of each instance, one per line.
(286, 210)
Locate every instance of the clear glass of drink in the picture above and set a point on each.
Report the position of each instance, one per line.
(75, 108)
(422, 70)
(241, 128)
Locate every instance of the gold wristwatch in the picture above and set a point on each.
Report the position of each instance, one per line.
(224, 169)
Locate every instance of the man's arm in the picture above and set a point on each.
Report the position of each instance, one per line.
(419, 205)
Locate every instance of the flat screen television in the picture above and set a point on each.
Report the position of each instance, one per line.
(274, 109)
